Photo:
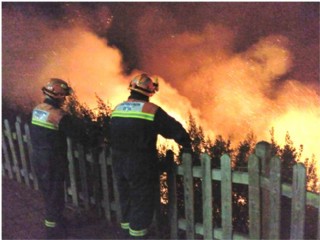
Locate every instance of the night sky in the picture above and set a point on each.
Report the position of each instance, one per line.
(248, 22)
(236, 66)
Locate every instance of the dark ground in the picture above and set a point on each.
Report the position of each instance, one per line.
(23, 214)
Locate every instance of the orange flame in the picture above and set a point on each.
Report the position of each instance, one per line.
(230, 96)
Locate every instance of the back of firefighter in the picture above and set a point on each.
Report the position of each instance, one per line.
(134, 127)
(49, 129)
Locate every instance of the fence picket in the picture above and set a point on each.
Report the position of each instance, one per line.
(207, 197)
(105, 186)
(96, 185)
(7, 165)
(188, 195)
(83, 176)
(298, 202)
(226, 197)
(254, 197)
(9, 134)
(72, 174)
(33, 172)
(172, 192)
(265, 188)
(22, 153)
(116, 192)
(275, 198)
(263, 152)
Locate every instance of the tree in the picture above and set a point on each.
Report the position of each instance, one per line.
(197, 139)
(312, 177)
(288, 155)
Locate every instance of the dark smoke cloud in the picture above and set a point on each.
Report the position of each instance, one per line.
(235, 66)
(33, 34)
(238, 25)
(152, 36)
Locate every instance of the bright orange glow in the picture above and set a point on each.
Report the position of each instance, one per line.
(228, 94)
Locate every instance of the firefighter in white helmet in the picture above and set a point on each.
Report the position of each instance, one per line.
(50, 126)
(134, 127)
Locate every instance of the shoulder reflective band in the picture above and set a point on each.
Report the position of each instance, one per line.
(138, 233)
(124, 225)
(132, 110)
(40, 118)
(129, 114)
(50, 224)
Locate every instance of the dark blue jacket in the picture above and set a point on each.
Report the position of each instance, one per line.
(136, 123)
(50, 126)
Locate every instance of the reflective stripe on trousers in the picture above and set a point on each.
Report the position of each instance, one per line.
(138, 233)
(124, 225)
(50, 224)
(134, 233)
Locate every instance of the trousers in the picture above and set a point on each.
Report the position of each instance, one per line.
(136, 177)
(50, 169)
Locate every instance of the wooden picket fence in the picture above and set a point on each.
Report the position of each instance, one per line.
(90, 184)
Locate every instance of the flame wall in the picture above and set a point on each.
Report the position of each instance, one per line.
(229, 92)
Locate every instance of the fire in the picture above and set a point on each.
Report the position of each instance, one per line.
(227, 92)
(231, 97)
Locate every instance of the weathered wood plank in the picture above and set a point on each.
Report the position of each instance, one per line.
(9, 135)
(275, 198)
(29, 145)
(188, 194)
(217, 231)
(83, 176)
(172, 192)
(254, 197)
(298, 202)
(226, 197)
(104, 182)
(116, 191)
(7, 163)
(23, 160)
(72, 174)
(207, 197)
(263, 152)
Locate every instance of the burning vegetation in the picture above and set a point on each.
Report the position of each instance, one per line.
(230, 91)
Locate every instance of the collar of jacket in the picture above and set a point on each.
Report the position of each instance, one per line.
(138, 96)
(52, 102)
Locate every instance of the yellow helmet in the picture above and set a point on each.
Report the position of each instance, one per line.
(57, 88)
(143, 84)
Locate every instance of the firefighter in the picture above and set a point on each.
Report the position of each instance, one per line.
(134, 127)
(50, 126)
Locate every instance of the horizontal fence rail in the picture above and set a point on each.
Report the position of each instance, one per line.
(90, 186)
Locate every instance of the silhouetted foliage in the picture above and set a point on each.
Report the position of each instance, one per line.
(97, 124)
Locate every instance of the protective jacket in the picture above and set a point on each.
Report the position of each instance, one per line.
(50, 126)
(135, 125)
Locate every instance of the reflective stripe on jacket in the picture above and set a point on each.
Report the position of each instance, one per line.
(45, 133)
(45, 115)
(135, 125)
(131, 109)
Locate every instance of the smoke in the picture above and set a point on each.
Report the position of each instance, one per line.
(200, 67)
(237, 92)
(37, 47)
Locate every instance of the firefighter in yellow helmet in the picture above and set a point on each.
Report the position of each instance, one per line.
(50, 126)
(134, 126)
